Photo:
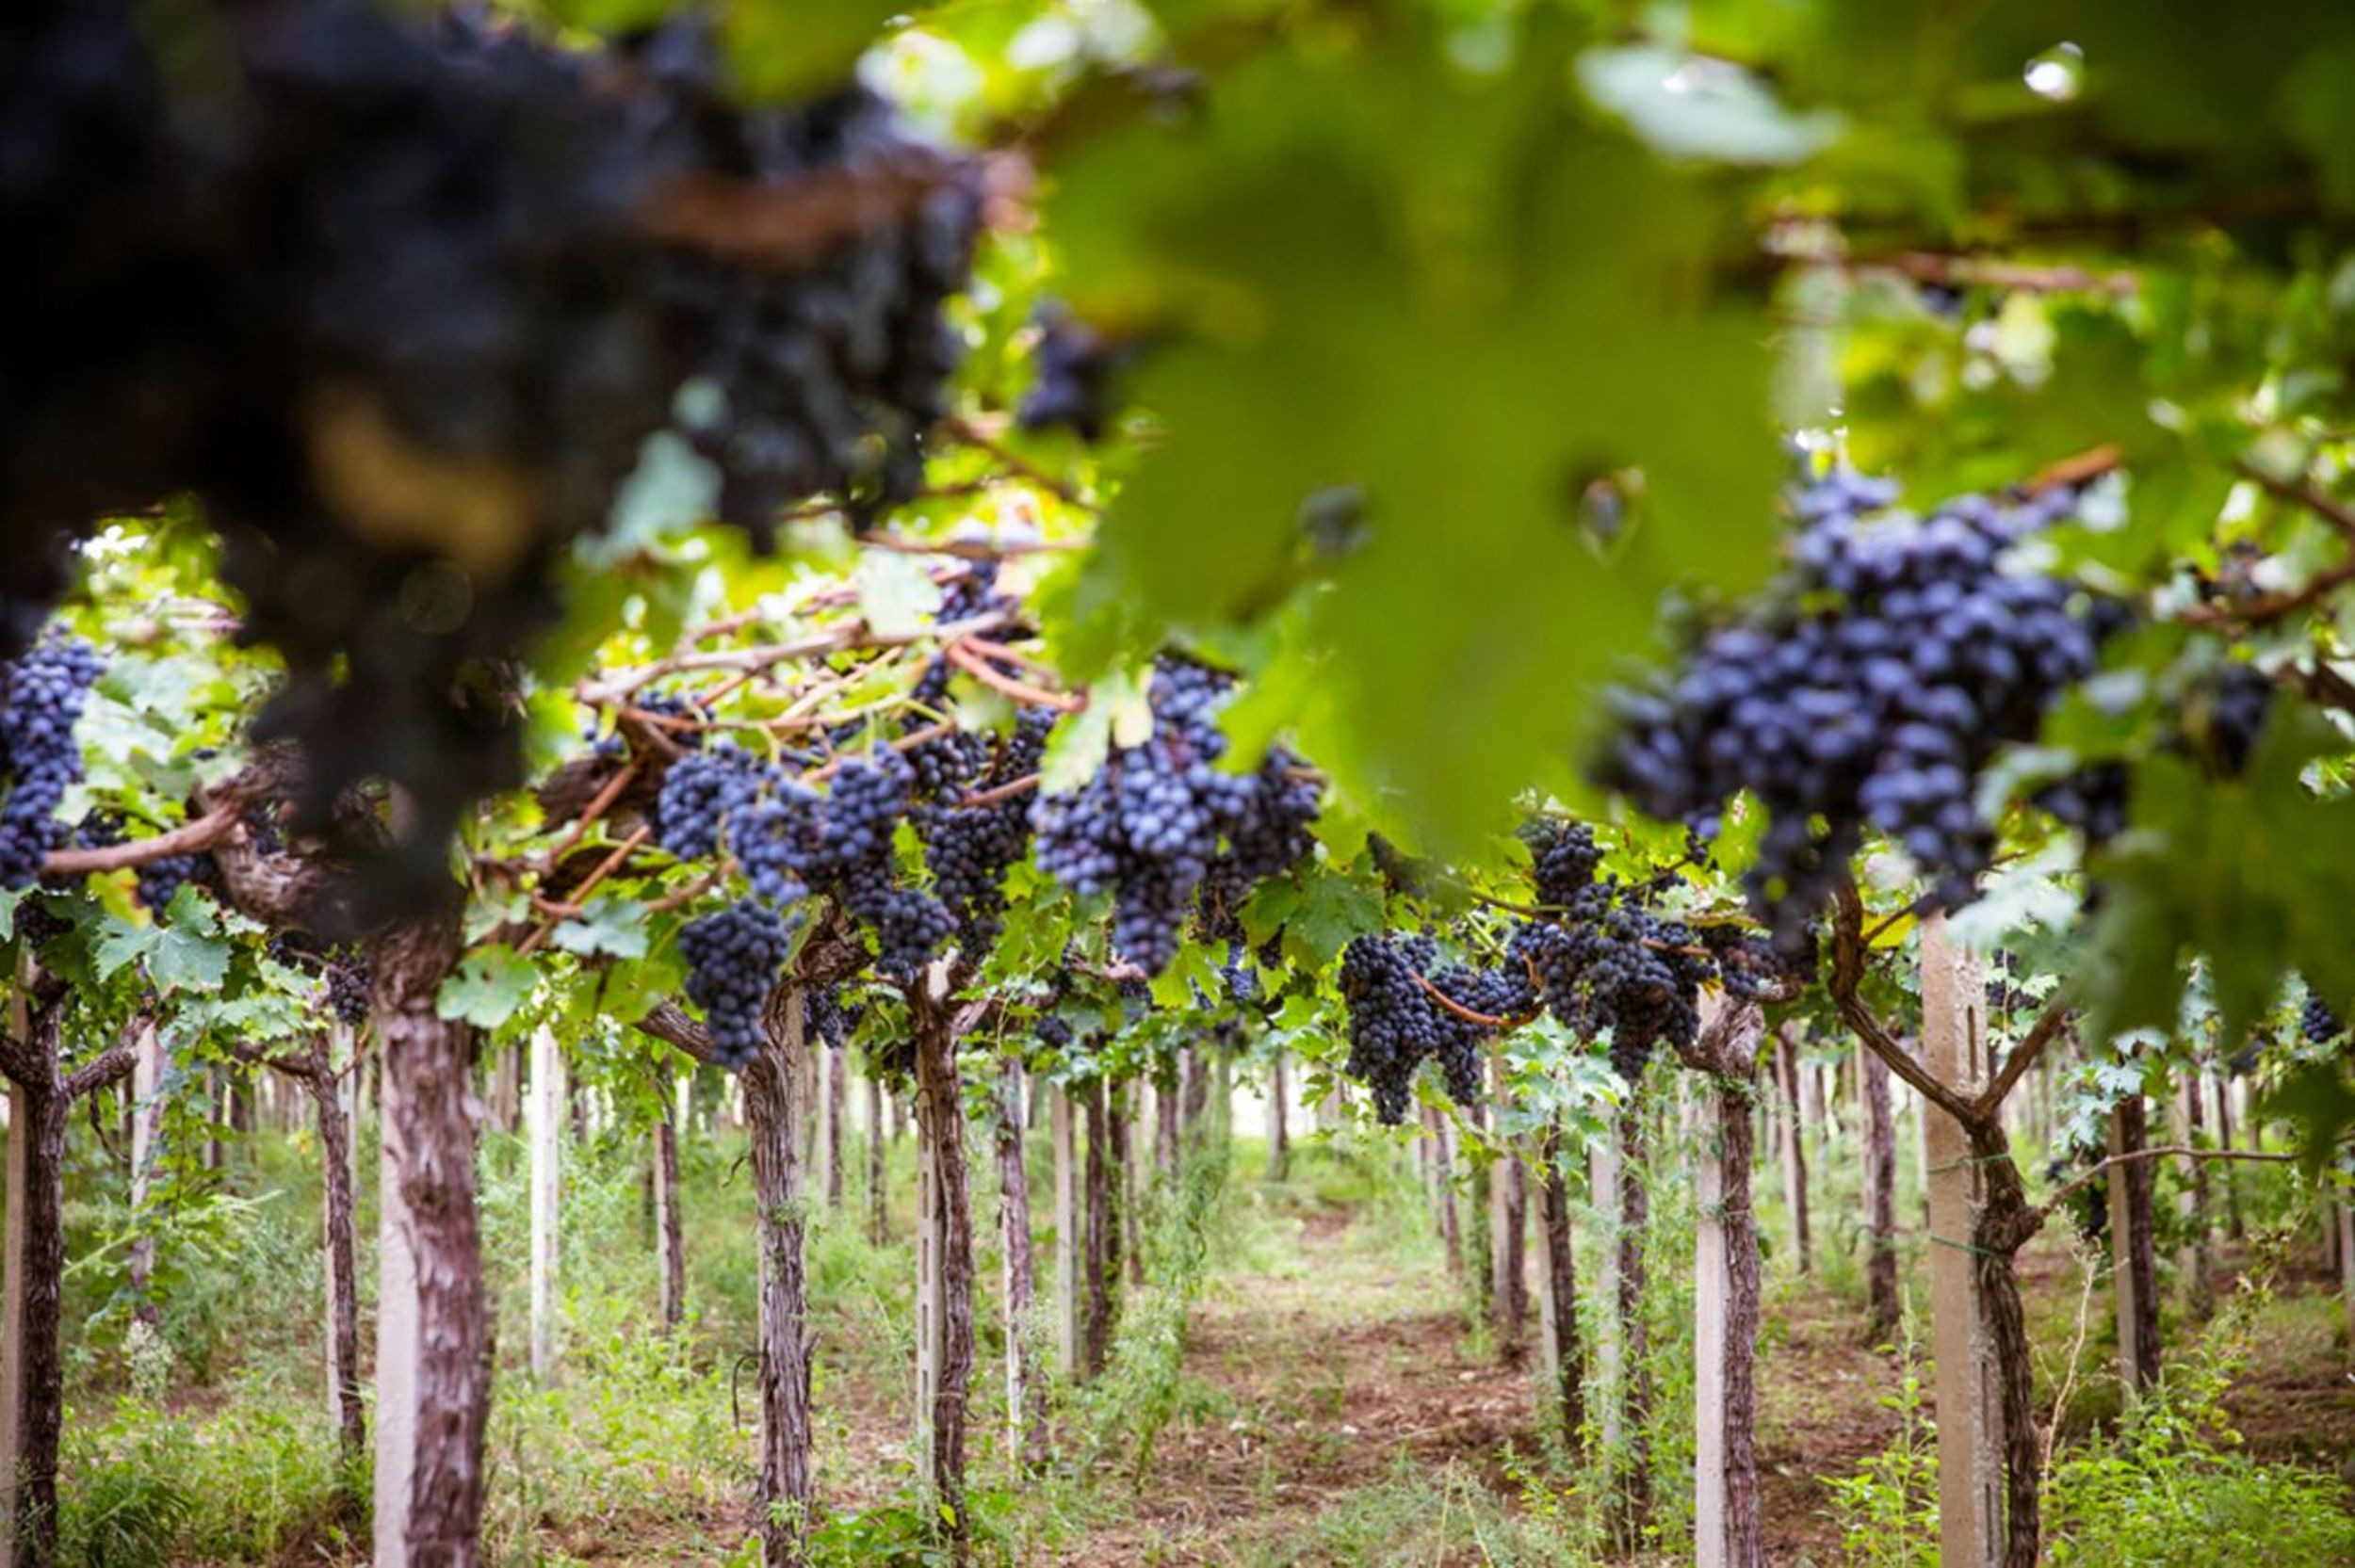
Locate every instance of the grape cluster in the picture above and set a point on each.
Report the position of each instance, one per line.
(1077, 367)
(701, 791)
(1756, 969)
(733, 959)
(160, 881)
(1269, 835)
(1564, 859)
(831, 371)
(1156, 821)
(1871, 692)
(1395, 1022)
(792, 841)
(46, 688)
(348, 976)
(2319, 1023)
(401, 304)
(946, 764)
(827, 1017)
(970, 849)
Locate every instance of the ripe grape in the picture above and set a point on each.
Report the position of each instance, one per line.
(401, 303)
(1872, 691)
(1155, 822)
(46, 688)
(733, 958)
(2317, 1022)
(970, 849)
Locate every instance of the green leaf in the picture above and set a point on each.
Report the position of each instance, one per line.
(192, 952)
(786, 48)
(1524, 313)
(121, 943)
(489, 988)
(1334, 907)
(607, 924)
(896, 592)
(1075, 749)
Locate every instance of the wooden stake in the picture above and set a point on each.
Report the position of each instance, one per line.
(547, 1145)
(1970, 1408)
(147, 1120)
(2347, 1268)
(1602, 1183)
(1710, 1292)
(396, 1339)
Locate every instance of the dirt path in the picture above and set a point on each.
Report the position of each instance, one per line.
(1320, 1379)
(1341, 1374)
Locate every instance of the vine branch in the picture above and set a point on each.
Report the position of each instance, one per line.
(2102, 1166)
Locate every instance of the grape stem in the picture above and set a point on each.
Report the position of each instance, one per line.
(971, 549)
(1006, 791)
(970, 433)
(789, 223)
(606, 867)
(2043, 1210)
(1485, 1020)
(964, 658)
(617, 689)
(188, 838)
(598, 805)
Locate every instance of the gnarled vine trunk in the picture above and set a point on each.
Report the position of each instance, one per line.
(1026, 1393)
(429, 1506)
(772, 1083)
(32, 1401)
(1881, 1199)
(670, 1244)
(1634, 1359)
(343, 1269)
(1564, 1365)
(1103, 1238)
(940, 1124)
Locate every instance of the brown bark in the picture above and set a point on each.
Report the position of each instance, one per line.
(1745, 1530)
(2195, 1121)
(940, 1111)
(1787, 1072)
(2006, 1223)
(1451, 1212)
(2132, 1249)
(772, 1115)
(1553, 1219)
(1195, 1087)
(1634, 1358)
(1026, 1410)
(2233, 1225)
(428, 1058)
(668, 1239)
(1102, 1268)
(343, 1267)
(1279, 1140)
(1509, 1286)
(218, 1093)
(1880, 1200)
(41, 1389)
(837, 1072)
